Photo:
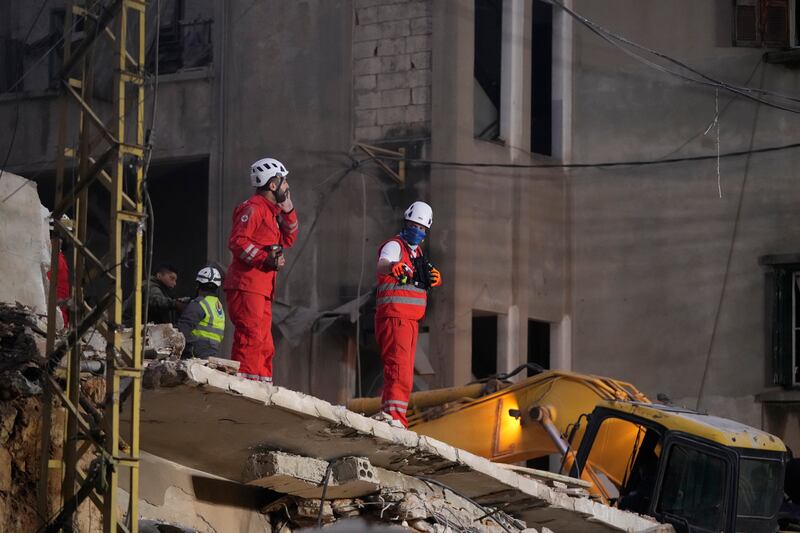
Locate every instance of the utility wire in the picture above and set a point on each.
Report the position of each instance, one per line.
(361, 280)
(728, 260)
(633, 163)
(617, 40)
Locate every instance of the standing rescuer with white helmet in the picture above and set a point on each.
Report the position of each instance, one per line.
(404, 279)
(263, 226)
(202, 322)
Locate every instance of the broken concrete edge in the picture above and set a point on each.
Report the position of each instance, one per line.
(353, 481)
(197, 373)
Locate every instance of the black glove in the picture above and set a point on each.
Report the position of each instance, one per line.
(274, 259)
(422, 272)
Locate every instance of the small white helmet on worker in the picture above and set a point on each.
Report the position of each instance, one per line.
(265, 169)
(209, 275)
(421, 213)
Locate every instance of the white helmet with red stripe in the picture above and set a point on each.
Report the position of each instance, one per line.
(421, 213)
(265, 169)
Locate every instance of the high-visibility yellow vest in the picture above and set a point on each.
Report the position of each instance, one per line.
(212, 326)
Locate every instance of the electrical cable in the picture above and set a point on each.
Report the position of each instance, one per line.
(148, 158)
(634, 163)
(361, 280)
(725, 107)
(355, 163)
(325, 482)
(610, 36)
(728, 261)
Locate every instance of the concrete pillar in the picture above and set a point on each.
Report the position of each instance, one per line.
(562, 83)
(561, 344)
(508, 348)
(512, 121)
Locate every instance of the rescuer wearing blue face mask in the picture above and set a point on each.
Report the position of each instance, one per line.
(404, 279)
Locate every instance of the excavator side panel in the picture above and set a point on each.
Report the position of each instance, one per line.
(499, 427)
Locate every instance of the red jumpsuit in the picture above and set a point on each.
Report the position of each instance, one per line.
(250, 284)
(399, 308)
(62, 286)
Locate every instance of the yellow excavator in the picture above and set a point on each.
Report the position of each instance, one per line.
(698, 472)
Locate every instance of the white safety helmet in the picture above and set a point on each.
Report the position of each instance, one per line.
(209, 275)
(65, 221)
(265, 169)
(421, 213)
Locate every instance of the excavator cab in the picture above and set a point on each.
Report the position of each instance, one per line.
(698, 473)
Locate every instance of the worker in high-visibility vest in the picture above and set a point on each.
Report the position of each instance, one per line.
(404, 279)
(203, 320)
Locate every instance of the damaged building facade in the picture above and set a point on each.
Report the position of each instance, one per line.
(663, 275)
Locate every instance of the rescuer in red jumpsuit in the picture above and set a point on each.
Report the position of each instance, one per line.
(262, 227)
(403, 281)
(62, 279)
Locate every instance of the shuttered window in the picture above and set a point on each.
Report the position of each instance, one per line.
(761, 23)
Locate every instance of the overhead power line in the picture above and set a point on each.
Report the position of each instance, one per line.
(608, 164)
(694, 76)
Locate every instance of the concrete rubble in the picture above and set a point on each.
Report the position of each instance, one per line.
(272, 437)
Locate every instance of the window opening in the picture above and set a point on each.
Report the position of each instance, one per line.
(484, 345)
(487, 68)
(542, 79)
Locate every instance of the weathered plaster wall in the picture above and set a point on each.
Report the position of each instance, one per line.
(651, 243)
(502, 233)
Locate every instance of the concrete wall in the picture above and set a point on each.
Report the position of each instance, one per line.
(651, 244)
(502, 233)
(392, 69)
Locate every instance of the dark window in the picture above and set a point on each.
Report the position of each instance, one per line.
(759, 494)
(783, 317)
(182, 43)
(542, 79)
(538, 344)
(694, 489)
(487, 68)
(11, 61)
(484, 346)
(761, 23)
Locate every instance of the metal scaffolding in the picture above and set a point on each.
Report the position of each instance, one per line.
(109, 153)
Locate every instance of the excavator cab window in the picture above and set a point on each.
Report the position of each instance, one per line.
(694, 490)
(624, 458)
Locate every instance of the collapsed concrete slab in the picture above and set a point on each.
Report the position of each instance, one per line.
(214, 422)
(306, 477)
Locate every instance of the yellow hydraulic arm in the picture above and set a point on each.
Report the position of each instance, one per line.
(526, 420)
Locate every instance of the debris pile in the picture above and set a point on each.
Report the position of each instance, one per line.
(21, 363)
(22, 339)
(352, 487)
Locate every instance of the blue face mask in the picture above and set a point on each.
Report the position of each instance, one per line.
(412, 235)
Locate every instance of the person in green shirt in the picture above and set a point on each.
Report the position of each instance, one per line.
(163, 308)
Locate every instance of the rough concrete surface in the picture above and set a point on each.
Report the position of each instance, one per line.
(173, 494)
(214, 422)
